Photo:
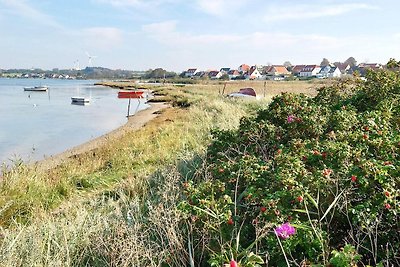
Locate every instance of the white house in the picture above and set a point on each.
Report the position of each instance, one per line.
(190, 72)
(253, 74)
(329, 72)
(215, 74)
(310, 71)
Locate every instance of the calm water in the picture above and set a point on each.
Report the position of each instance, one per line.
(34, 125)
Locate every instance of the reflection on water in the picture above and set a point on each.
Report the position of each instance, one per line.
(80, 103)
(34, 125)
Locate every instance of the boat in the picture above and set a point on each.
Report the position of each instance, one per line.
(130, 94)
(36, 88)
(80, 100)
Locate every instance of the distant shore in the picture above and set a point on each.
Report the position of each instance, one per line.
(134, 123)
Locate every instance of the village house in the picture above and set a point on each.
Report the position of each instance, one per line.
(297, 69)
(329, 71)
(243, 68)
(310, 71)
(215, 74)
(275, 71)
(225, 70)
(190, 73)
(343, 67)
(233, 74)
(253, 74)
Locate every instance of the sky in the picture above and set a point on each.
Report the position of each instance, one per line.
(205, 34)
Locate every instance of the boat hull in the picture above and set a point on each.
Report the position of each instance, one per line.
(36, 89)
(130, 94)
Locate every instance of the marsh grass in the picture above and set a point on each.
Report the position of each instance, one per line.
(115, 205)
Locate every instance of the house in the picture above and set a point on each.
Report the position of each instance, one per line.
(243, 68)
(310, 71)
(297, 69)
(190, 72)
(276, 70)
(253, 74)
(200, 74)
(225, 70)
(329, 71)
(362, 68)
(343, 67)
(215, 74)
(233, 74)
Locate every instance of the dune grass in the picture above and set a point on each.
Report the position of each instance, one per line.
(116, 205)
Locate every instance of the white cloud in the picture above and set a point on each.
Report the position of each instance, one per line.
(135, 3)
(219, 7)
(312, 11)
(102, 37)
(23, 9)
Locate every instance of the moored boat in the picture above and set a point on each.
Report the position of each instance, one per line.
(80, 100)
(130, 94)
(36, 88)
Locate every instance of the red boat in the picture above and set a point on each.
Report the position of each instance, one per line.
(130, 94)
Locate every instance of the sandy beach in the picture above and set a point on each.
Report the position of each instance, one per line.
(134, 123)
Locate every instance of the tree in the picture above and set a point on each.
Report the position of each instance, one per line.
(351, 61)
(393, 64)
(325, 62)
(288, 65)
(224, 77)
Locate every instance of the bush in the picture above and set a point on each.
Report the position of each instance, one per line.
(329, 165)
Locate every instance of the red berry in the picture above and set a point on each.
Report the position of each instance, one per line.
(387, 194)
(230, 221)
(353, 178)
(299, 198)
(221, 170)
(263, 209)
(387, 206)
(365, 136)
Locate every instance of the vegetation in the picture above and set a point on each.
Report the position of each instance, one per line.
(329, 165)
(307, 179)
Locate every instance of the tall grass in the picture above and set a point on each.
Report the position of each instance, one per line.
(116, 205)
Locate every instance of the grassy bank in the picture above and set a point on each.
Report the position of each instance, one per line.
(116, 205)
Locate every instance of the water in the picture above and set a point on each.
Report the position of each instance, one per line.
(35, 125)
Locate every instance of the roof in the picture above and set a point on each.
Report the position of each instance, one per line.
(233, 72)
(191, 70)
(213, 73)
(298, 68)
(309, 68)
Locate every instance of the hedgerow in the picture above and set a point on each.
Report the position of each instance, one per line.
(327, 166)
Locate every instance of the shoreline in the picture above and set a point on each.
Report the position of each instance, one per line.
(135, 122)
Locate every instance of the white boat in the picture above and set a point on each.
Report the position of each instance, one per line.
(36, 88)
(80, 100)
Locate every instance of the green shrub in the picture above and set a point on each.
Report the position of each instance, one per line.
(330, 165)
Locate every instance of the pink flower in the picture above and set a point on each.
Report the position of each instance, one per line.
(291, 118)
(285, 230)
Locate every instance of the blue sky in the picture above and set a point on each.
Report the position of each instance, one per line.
(208, 34)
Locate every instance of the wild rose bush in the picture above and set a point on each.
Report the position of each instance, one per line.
(329, 165)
